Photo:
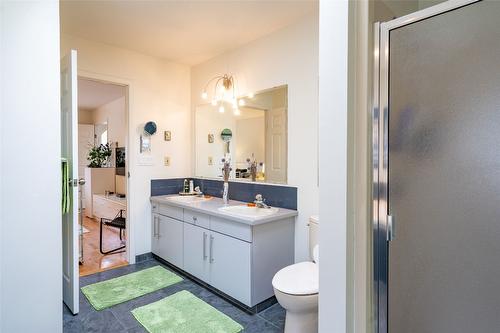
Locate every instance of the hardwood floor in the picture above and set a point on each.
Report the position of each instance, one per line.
(93, 260)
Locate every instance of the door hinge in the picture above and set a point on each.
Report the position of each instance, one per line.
(390, 228)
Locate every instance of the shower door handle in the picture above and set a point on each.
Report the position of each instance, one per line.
(391, 234)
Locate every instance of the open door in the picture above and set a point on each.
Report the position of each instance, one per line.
(69, 152)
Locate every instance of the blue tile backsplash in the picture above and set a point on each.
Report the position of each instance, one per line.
(275, 195)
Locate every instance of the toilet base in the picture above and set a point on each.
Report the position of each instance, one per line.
(301, 322)
(301, 312)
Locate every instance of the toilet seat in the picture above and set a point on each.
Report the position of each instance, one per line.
(298, 279)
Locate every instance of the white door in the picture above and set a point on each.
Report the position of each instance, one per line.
(230, 266)
(85, 142)
(69, 151)
(276, 145)
(170, 240)
(196, 251)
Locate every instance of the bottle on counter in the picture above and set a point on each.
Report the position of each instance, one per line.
(191, 186)
(186, 186)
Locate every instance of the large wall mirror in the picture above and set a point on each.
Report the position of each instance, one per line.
(253, 136)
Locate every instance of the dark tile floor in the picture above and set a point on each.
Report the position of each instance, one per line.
(119, 319)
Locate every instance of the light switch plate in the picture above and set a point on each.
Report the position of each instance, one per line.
(166, 161)
(210, 160)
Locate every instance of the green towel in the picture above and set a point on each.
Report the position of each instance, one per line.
(66, 199)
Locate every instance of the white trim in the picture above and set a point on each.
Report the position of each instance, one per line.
(129, 96)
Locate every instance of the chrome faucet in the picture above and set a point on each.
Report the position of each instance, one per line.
(260, 201)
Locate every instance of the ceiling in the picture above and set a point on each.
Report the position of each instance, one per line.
(93, 94)
(188, 32)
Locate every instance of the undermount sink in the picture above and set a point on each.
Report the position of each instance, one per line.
(187, 199)
(248, 212)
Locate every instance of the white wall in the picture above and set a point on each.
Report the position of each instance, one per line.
(333, 107)
(158, 91)
(113, 113)
(288, 56)
(85, 116)
(30, 243)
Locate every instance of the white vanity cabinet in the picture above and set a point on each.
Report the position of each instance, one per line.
(230, 261)
(167, 241)
(236, 257)
(196, 247)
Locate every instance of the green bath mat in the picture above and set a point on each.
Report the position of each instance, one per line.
(183, 312)
(124, 288)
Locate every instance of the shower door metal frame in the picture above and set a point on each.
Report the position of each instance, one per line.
(380, 153)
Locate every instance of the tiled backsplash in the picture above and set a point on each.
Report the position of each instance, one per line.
(275, 195)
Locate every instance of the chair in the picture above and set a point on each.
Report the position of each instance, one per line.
(117, 222)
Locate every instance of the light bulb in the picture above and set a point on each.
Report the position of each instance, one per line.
(251, 95)
(222, 89)
(214, 102)
(204, 95)
(237, 112)
(241, 102)
(221, 109)
(235, 103)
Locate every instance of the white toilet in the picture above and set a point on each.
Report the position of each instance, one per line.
(296, 288)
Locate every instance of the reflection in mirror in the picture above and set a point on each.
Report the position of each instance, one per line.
(100, 134)
(252, 134)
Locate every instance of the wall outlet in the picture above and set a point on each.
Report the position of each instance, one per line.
(166, 161)
(210, 160)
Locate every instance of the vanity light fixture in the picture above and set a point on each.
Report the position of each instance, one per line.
(224, 91)
(223, 85)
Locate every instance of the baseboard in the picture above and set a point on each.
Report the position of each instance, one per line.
(143, 257)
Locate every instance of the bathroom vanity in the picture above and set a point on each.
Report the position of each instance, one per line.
(232, 248)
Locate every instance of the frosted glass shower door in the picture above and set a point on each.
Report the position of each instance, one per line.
(444, 172)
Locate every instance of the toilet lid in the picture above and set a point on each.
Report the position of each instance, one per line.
(298, 279)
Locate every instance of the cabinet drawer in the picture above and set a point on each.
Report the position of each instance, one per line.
(199, 219)
(231, 228)
(171, 211)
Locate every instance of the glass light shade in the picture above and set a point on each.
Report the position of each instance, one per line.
(204, 95)
(221, 109)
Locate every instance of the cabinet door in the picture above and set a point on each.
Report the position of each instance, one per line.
(155, 244)
(196, 251)
(230, 266)
(170, 239)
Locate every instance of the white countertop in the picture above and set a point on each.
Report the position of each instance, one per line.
(212, 205)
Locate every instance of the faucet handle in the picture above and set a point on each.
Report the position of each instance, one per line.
(258, 197)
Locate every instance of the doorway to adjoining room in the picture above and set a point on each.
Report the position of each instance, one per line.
(102, 137)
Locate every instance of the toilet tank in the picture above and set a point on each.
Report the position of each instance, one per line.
(313, 233)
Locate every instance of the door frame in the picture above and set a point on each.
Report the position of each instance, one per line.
(380, 149)
(103, 78)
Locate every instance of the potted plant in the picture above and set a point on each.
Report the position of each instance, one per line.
(99, 155)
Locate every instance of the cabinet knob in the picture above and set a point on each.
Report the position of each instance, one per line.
(195, 219)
